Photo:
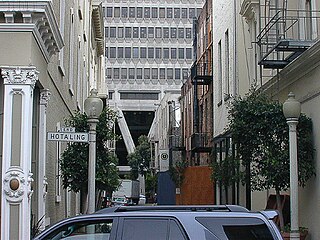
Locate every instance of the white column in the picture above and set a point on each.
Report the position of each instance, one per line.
(294, 233)
(16, 179)
(42, 180)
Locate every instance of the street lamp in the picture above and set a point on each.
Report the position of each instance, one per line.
(93, 107)
(291, 111)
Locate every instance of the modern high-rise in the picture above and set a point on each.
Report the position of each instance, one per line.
(149, 52)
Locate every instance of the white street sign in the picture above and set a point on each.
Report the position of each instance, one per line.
(68, 136)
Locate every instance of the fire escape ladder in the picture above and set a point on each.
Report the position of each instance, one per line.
(279, 40)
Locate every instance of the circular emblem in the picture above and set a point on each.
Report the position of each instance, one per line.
(164, 156)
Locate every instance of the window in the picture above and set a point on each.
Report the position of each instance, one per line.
(226, 64)
(169, 13)
(100, 229)
(154, 12)
(192, 13)
(124, 73)
(173, 53)
(139, 73)
(109, 11)
(158, 32)
(162, 12)
(127, 52)
(139, 12)
(128, 32)
(106, 32)
(177, 13)
(177, 73)
(120, 52)
(143, 32)
(188, 33)
(166, 53)
(162, 73)
(117, 12)
(143, 52)
(188, 53)
(135, 32)
(238, 228)
(184, 13)
(180, 53)
(198, 12)
(154, 73)
(146, 12)
(150, 52)
(219, 72)
(142, 229)
(170, 73)
(185, 73)
(120, 32)
(112, 32)
(116, 73)
(113, 52)
(158, 53)
(165, 32)
(137, 96)
(181, 33)
(131, 73)
(132, 12)
(124, 12)
(173, 32)
(150, 32)
(135, 52)
(109, 73)
(147, 73)
(107, 52)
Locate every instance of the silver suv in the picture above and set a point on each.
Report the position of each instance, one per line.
(168, 223)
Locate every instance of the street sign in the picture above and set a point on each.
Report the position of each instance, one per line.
(68, 136)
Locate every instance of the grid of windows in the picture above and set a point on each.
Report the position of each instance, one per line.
(147, 73)
(154, 12)
(171, 33)
(149, 53)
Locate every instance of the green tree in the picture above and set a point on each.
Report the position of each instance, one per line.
(74, 160)
(139, 160)
(260, 131)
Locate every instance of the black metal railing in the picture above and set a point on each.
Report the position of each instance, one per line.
(201, 142)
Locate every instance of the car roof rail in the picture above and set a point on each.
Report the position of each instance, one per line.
(194, 208)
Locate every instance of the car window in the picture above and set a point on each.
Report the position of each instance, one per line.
(96, 230)
(144, 229)
(175, 231)
(237, 228)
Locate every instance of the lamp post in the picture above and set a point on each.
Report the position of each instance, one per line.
(291, 111)
(93, 107)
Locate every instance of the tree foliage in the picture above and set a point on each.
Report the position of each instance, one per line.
(74, 160)
(139, 160)
(260, 131)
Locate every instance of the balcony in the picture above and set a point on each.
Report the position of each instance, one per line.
(286, 36)
(201, 142)
(175, 143)
(201, 73)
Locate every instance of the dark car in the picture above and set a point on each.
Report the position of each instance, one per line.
(168, 223)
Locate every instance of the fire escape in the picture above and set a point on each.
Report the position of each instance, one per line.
(201, 79)
(286, 33)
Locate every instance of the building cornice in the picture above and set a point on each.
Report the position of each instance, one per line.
(249, 9)
(98, 24)
(36, 16)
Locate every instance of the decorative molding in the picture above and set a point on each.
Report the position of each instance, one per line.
(249, 10)
(44, 97)
(37, 17)
(14, 195)
(19, 75)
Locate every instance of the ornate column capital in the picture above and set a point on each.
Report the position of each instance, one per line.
(19, 75)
